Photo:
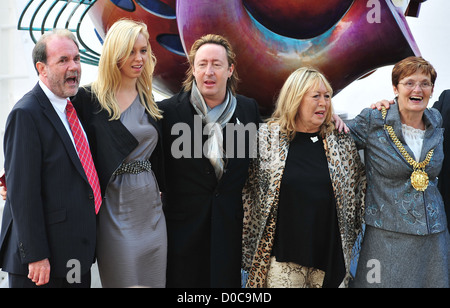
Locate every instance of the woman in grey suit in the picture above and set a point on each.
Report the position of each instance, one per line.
(406, 243)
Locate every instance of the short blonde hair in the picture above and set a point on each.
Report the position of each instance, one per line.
(291, 95)
(119, 43)
(233, 81)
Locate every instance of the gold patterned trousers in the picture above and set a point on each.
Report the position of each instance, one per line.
(292, 275)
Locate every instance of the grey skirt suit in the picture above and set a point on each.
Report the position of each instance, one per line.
(406, 230)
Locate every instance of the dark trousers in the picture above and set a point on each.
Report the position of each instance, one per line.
(20, 281)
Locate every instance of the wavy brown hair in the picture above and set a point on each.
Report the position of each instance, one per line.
(233, 81)
(411, 65)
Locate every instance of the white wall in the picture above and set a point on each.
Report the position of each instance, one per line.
(431, 31)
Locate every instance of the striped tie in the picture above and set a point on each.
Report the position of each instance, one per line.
(84, 153)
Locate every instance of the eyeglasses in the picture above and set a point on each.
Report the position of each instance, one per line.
(412, 85)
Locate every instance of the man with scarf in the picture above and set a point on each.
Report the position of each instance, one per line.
(202, 200)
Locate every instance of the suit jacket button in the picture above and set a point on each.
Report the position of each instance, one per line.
(91, 196)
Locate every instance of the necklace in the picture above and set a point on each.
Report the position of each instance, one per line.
(419, 178)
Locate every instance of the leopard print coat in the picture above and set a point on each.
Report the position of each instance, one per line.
(261, 195)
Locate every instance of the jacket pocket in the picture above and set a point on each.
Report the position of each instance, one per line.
(56, 216)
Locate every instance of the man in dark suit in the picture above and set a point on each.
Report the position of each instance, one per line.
(443, 105)
(49, 221)
(203, 197)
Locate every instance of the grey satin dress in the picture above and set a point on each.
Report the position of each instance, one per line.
(132, 238)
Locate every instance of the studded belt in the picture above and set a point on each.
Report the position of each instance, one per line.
(134, 167)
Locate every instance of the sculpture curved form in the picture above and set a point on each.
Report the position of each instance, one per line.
(345, 39)
(350, 49)
(299, 19)
(164, 38)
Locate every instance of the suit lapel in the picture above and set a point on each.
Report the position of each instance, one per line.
(184, 109)
(433, 135)
(239, 115)
(54, 119)
(186, 114)
(238, 118)
(393, 120)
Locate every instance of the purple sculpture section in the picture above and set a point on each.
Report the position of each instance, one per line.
(344, 39)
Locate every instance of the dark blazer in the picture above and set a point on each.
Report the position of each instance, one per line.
(203, 215)
(49, 210)
(110, 141)
(443, 105)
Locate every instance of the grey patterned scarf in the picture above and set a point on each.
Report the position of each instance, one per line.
(215, 120)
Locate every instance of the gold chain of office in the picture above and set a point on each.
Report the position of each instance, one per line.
(419, 178)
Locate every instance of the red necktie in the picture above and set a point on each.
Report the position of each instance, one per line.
(84, 153)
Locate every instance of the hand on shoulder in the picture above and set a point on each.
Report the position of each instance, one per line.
(378, 105)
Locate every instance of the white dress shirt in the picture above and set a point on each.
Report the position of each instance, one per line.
(59, 104)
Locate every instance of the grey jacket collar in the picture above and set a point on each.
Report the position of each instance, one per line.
(433, 130)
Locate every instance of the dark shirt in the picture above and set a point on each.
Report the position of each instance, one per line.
(307, 227)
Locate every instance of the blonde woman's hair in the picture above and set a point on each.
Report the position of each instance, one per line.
(291, 96)
(232, 83)
(117, 47)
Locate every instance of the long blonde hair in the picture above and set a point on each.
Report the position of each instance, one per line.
(117, 47)
(291, 95)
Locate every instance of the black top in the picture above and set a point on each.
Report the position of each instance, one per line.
(307, 228)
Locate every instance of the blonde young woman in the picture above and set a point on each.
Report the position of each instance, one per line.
(120, 118)
(304, 198)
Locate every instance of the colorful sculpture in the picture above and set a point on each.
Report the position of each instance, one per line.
(345, 39)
